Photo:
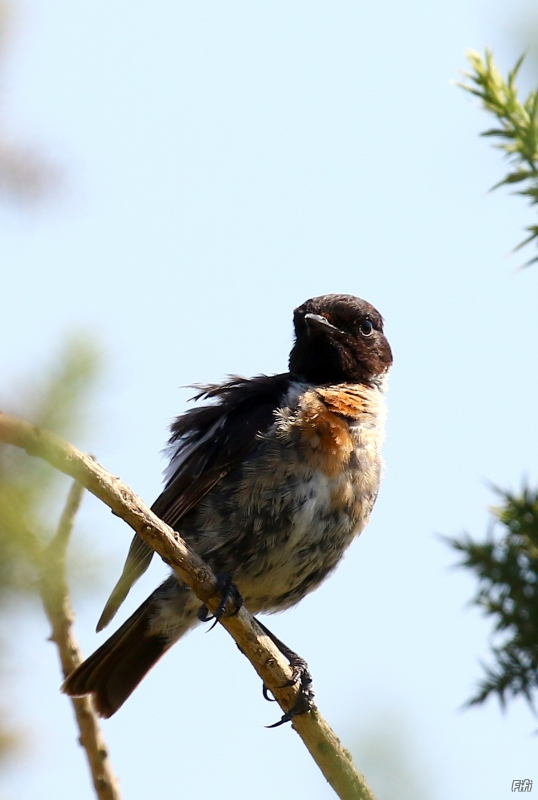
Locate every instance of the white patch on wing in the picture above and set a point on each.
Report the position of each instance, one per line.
(295, 391)
(183, 449)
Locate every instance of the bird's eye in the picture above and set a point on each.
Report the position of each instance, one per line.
(367, 327)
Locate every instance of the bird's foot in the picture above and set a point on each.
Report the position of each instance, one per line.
(300, 674)
(305, 698)
(229, 605)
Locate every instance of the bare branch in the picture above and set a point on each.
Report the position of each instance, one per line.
(323, 745)
(55, 597)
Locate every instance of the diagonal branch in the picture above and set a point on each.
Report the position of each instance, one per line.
(55, 597)
(322, 743)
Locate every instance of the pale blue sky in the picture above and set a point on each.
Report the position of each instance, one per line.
(223, 162)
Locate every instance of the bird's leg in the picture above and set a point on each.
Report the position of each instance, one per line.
(300, 673)
(230, 596)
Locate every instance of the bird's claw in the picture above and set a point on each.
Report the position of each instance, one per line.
(205, 616)
(230, 595)
(265, 692)
(305, 697)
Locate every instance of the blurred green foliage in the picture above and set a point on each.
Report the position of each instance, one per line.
(390, 756)
(506, 565)
(26, 175)
(58, 403)
(516, 126)
(29, 487)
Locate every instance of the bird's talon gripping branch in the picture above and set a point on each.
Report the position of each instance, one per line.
(303, 705)
(265, 692)
(305, 698)
(299, 674)
(230, 596)
(300, 671)
(204, 615)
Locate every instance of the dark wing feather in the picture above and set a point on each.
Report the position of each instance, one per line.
(137, 561)
(207, 443)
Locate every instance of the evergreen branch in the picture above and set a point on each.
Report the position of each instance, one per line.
(518, 126)
(506, 565)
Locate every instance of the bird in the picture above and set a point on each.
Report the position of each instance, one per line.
(269, 480)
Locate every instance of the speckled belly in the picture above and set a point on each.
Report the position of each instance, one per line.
(283, 527)
(323, 517)
(280, 524)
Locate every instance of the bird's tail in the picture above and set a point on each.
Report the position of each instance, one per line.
(112, 673)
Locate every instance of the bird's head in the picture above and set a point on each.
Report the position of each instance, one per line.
(339, 339)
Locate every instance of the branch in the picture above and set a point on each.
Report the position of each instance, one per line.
(323, 745)
(55, 597)
(517, 126)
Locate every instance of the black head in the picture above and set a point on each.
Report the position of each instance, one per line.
(339, 339)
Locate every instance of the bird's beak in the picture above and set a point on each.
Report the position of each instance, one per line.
(316, 321)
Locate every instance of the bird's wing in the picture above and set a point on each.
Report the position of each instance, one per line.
(205, 445)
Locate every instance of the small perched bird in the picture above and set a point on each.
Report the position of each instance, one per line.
(269, 482)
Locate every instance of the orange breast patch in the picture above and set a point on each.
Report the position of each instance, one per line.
(325, 434)
(345, 400)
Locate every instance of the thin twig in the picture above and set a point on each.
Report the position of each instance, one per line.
(55, 597)
(323, 745)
